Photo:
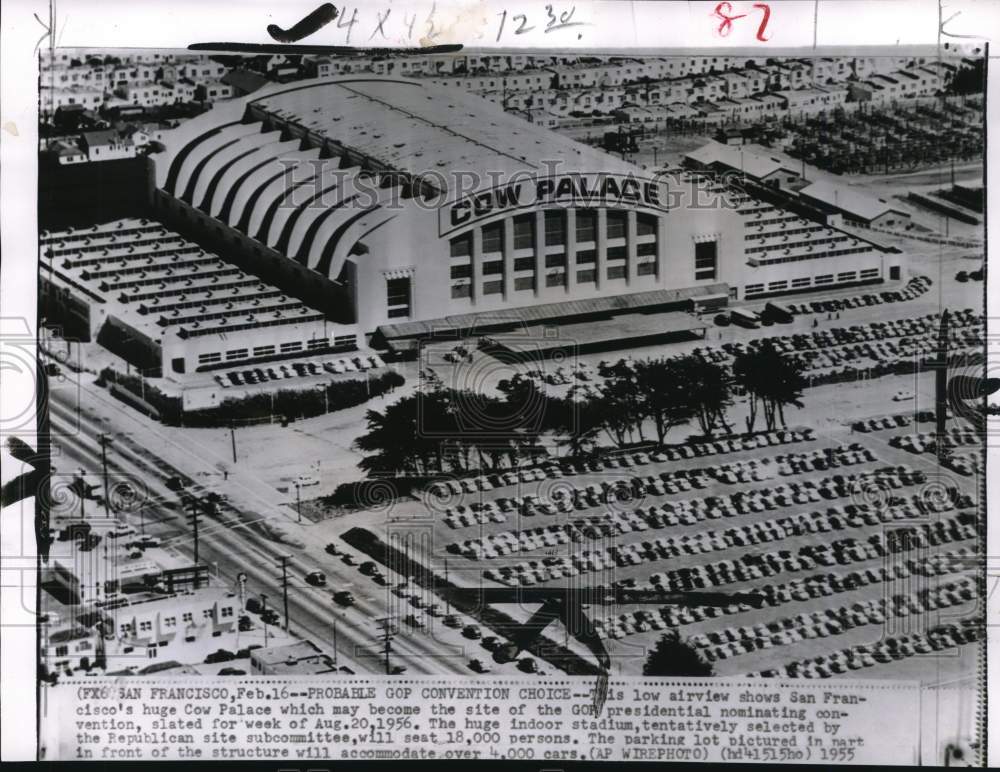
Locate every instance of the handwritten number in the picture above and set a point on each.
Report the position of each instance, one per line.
(724, 11)
(350, 23)
(503, 20)
(521, 29)
(409, 25)
(763, 22)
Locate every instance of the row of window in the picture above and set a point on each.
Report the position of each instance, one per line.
(553, 279)
(291, 347)
(808, 256)
(583, 257)
(555, 230)
(805, 281)
(796, 244)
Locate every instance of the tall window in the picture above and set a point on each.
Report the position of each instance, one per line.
(705, 260)
(586, 224)
(555, 227)
(461, 246)
(616, 224)
(645, 225)
(493, 238)
(524, 231)
(397, 297)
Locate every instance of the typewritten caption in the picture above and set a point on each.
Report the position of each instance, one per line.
(642, 720)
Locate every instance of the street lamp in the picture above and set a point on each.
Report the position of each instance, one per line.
(298, 499)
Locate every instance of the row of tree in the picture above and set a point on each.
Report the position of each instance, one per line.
(635, 401)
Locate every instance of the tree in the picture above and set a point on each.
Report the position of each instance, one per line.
(664, 398)
(673, 658)
(772, 381)
(707, 385)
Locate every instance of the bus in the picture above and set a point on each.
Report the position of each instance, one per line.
(744, 318)
(778, 312)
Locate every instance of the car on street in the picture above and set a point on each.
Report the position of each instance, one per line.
(343, 598)
(527, 665)
(477, 666)
(316, 579)
(902, 395)
(472, 631)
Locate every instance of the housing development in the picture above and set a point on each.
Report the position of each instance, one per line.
(512, 363)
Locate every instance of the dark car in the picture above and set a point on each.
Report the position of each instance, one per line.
(331, 549)
(527, 665)
(232, 671)
(219, 655)
(316, 579)
(962, 276)
(245, 624)
(368, 568)
(343, 598)
(398, 670)
(472, 631)
(175, 483)
(450, 620)
(254, 606)
(722, 320)
(270, 617)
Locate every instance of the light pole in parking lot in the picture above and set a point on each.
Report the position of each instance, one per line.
(298, 499)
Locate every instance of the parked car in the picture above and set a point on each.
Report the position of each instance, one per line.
(476, 665)
(232, 671)
(316, 579)
(527, 665)
(368, 568)
(270, 617)
(332, 549)
(343, 598)
(220, 655)
(472, 631)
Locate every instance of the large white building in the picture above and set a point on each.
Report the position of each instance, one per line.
(402, 201)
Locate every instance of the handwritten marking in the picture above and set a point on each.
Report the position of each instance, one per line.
(381, 21)
(726, 25)
(307, 26)
(724, 12)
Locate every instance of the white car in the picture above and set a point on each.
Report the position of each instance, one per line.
(902, 395)
(305, 480)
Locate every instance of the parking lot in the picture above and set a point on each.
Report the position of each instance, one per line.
(854, 542)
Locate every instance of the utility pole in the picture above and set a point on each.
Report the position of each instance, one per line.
(386, 624)
(263, 615)
(284, 584)
(105, 440)
(298, 499)
(232, 436)
(194, 517)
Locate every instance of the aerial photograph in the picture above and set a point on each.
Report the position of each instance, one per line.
(513, 364)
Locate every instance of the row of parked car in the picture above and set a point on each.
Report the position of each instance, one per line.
(926, 442)
(566, 468)
(882, 423)
(809, 588)
(530, 572)
(621, 491)
(286, 370)
(736, 641)
(803, 589)
(693, 511)
(914, 288)
(889, 649)
(755, 566)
